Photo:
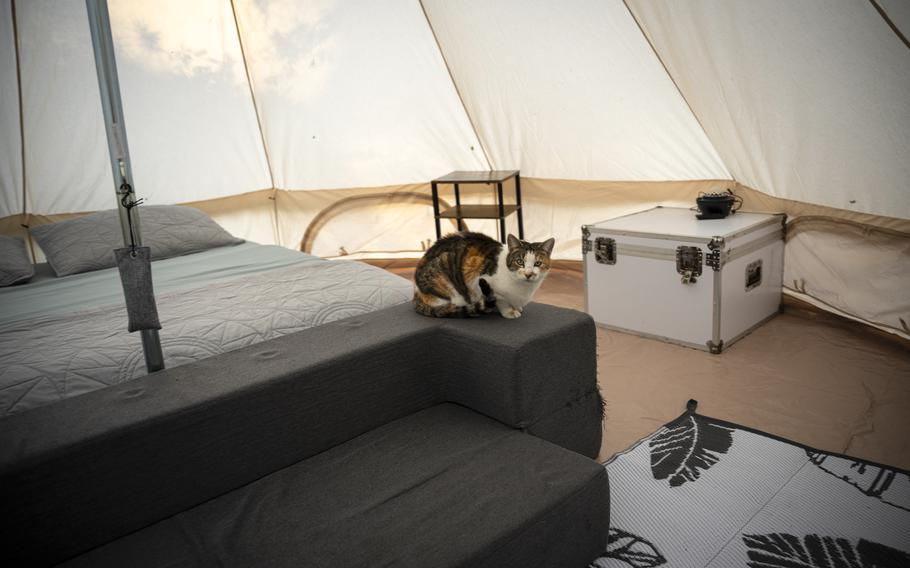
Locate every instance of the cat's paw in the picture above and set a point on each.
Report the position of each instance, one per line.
(510, 313)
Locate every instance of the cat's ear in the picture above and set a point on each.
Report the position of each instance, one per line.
(547, 245)
(513, 242)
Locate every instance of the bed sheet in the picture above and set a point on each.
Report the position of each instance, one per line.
(63, 337)
(47, 295)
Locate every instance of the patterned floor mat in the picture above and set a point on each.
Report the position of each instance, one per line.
(702, 492)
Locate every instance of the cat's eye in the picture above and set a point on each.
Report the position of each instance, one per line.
(537, 263)
(520, 262)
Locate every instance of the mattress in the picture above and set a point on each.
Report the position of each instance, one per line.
(62, 337)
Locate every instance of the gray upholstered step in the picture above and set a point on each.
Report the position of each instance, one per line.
(442, 487)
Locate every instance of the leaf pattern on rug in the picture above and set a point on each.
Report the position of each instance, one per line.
(782, 550)
(882, 483)
(631, 549)
(686, 447)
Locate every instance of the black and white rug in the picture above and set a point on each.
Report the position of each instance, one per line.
(702, 492)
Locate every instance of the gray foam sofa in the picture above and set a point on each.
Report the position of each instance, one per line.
(387, 439)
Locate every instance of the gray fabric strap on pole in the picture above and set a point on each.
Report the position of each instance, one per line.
(135, 265)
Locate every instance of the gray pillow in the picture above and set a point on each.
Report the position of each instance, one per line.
(15, 265)
(88, 243)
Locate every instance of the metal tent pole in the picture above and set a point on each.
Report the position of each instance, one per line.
(112, 107)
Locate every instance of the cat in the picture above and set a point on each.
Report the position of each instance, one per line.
(467, 274)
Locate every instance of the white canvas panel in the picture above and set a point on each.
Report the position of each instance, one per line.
(10, 145)
(803, 100)
(65, 143)
(863, 274)
(570, 90)
(353, 94)
(189, 116)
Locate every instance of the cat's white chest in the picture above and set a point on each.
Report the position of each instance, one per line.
(516, 292)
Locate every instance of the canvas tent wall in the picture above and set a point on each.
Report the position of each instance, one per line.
(269, 113)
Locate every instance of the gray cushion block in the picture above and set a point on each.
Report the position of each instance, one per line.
(444, 487)
(88, 243)
(78, 473)
(87, 470)
(521, 371)
(15, 264)
(573, 425)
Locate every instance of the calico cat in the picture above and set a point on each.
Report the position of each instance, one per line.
(465, 274)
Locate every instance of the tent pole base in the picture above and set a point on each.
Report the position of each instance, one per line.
(151, 346)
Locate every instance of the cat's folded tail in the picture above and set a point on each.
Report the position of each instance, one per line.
(440, 309)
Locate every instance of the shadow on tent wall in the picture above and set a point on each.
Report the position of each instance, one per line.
(370, 200)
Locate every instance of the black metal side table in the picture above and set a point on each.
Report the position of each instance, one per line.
(497, 211)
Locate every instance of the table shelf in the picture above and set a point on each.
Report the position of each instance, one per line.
(477, 211)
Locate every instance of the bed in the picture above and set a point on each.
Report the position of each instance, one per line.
(64, 336)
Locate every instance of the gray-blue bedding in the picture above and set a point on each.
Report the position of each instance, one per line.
(60, 337)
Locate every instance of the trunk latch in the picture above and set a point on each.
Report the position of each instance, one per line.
(605, 250)
(688, 263)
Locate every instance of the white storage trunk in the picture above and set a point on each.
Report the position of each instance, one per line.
(664, 274)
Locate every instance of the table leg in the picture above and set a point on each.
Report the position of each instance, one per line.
(502, 214)
(521, 225)
(458, 205)
(436, 209)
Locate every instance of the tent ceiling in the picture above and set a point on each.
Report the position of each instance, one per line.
(799, 100)
(10, 143)
(570, 90)
(354, 94)
(188, 111)
(803, 100)
(65, 144)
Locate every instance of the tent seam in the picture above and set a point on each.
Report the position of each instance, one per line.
(25, 214)
(890, 22)
(675, 84)
(265, 146)
(455, 85)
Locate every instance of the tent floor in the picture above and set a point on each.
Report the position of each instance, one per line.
(806, 375)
